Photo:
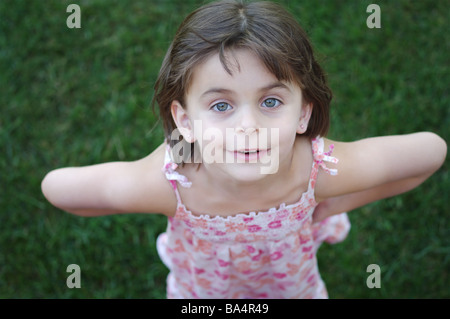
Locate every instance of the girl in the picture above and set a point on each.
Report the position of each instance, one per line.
(248, 183)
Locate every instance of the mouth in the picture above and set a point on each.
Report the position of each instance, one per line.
(249, 155)
(248, 151)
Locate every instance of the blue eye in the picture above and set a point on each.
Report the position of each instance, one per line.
(271, 103)
(221, 107)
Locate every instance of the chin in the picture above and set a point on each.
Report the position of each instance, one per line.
(246, 172)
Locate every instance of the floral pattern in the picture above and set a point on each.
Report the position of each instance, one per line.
(268, 254)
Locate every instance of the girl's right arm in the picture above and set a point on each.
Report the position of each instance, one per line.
(112, 188)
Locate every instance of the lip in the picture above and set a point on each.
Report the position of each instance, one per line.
(249, 155)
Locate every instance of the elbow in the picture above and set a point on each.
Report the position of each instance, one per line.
(54, 192)
(47, 187)
(441, 151)
(59, 195)
(438, 150)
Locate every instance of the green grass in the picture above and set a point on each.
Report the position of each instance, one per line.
(72, 97)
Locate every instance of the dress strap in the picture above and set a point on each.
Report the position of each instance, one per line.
(172, 175)
(320, 156)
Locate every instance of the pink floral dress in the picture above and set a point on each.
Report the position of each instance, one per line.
(268, 254)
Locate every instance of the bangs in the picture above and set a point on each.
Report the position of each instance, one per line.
(269, 56)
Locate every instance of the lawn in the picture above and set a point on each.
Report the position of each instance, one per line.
(72, 97)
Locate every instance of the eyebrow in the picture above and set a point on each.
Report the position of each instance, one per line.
(276, 85)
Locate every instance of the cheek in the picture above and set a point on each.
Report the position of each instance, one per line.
(209, 134)
(286, 133)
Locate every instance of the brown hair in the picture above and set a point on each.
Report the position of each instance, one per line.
(266, 29)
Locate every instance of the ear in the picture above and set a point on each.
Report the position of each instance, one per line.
(304, 118)
(182, 121)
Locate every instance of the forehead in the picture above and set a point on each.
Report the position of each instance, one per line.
(245, 71)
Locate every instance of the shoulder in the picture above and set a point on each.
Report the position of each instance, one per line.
(142, 186)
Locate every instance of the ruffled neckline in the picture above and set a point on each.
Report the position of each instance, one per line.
(252, 214)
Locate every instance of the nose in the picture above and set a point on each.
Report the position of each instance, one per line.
(248, 121)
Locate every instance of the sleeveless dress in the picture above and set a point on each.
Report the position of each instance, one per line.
(269, 254)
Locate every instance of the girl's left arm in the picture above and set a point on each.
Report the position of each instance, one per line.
(377, 168)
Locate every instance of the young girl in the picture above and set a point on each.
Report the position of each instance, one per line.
(248, 183)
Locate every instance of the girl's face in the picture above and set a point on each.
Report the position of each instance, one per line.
(245, 123)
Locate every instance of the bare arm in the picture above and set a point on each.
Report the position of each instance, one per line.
(112, 188)
(345, 203)
(383, 167)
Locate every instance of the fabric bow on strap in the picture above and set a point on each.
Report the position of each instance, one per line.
(320, 156)
(172, 175)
